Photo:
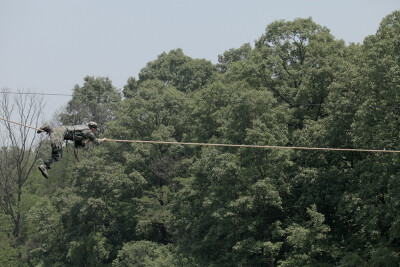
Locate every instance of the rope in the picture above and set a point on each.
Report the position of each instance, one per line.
(37, 129)
(258, 146)
(232, 145)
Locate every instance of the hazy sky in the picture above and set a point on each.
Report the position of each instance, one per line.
(48, 46)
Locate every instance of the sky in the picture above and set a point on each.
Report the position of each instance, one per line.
(49, 46)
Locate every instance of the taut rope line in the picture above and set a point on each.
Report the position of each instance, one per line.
(232, 145)
(259, 146)
(37, 129)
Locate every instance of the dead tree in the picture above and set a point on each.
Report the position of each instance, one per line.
(19, 148)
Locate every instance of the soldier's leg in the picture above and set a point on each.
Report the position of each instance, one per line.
(56, 155)
(56, 140)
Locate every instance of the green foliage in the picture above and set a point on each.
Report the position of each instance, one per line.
(298, 61)
(224, 217)
(233, 55)
(46, 239)
(154, 105)
(90, 250)
(144, 253)
(131, 204)
(96, 101)
(181, 71)
(311, 246)
(8, 250)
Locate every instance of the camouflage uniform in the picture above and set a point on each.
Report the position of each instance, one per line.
(80, 134)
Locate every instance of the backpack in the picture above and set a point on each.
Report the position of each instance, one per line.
(77, 132)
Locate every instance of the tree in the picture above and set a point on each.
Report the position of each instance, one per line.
(156, 111)
(46, 240)
(144, 253)
(310, 245)
(179, 70)
(233, 55)
(376, 124)
(154, 105)
(296, 61)
(225, 215)
(19, 151)
(96, 101)
(8, 249)
(157, 205)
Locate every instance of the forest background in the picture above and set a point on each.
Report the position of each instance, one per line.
(122, 204)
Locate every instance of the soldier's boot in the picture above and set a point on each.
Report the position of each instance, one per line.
(45, 128)
(43, 169)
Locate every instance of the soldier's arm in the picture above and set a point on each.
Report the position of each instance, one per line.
(95, 140)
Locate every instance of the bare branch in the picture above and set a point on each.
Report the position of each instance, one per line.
(19, 149)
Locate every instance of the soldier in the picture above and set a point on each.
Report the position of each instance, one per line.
(80, 134)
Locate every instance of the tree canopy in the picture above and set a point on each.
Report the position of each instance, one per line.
(130, 204)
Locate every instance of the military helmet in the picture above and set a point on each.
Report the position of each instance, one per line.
(92, 124)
